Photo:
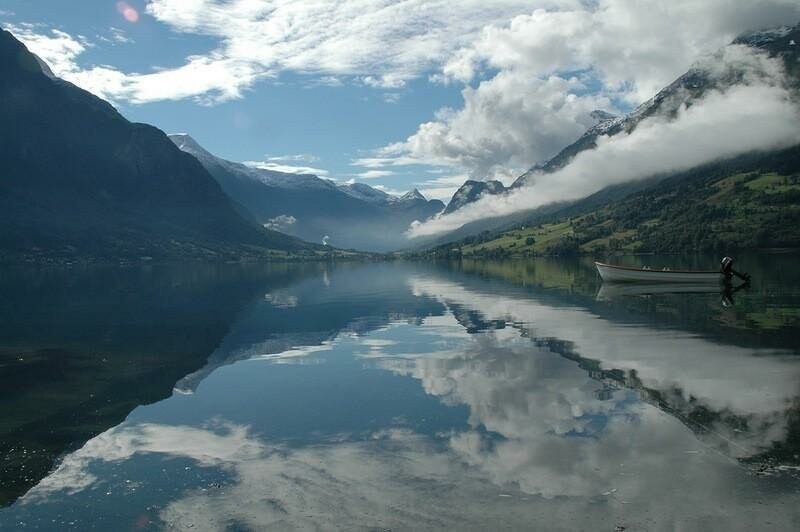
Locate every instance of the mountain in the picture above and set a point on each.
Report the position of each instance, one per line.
(78, 180)
(471, 191)
(749, 202)
(684, 91)
(366, 193)
(306, 206)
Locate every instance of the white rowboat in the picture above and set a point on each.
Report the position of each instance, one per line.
(625, 274)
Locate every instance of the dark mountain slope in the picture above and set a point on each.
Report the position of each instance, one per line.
(79, 180)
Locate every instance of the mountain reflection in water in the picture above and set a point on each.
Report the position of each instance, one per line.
(410, 396)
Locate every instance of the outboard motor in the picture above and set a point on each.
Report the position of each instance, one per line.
(727, 267)
(727, 270)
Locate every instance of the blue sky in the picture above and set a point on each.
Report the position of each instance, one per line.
(398, 94)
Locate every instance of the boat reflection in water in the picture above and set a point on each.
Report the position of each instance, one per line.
(412, 396)
(611, 291)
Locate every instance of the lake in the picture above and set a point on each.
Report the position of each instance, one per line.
(405, 396)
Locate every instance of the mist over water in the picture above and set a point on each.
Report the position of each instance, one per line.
(468, 395)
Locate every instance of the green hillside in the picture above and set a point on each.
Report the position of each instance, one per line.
(745, 204)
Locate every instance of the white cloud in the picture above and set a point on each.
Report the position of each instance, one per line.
(374, 174)
(57, 48)
(281, 223)
(590, 52)
(506, 122)
(392, 97)
(746, 117)
(636, 47)
(118, 35)
(208, 79)
(286, 168)
(632, 47)
(385, 158)
(381, 43)
(299, 157)
(375, 43)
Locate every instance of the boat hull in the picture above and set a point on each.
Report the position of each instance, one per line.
(622, 274)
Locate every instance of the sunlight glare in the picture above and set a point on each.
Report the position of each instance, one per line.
(129, 13)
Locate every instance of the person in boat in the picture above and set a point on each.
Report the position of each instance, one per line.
(729, 272)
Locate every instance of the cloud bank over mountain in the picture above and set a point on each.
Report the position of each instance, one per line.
(756, 114)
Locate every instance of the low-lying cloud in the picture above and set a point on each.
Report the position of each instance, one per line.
(754, 116)
(281, 223)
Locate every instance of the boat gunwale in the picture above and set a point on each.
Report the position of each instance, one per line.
(655, 271)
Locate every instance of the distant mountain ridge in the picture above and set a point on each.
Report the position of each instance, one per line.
(352, 215)
(79, 180)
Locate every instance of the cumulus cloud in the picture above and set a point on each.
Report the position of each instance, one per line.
(758, 114)
(548, 68)
(506, 122)
(635, 48)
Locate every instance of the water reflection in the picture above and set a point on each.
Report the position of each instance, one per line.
(741, 394)
(81, 348)
(417, 396)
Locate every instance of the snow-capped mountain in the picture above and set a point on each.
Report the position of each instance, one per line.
(472, 191)
(251, 171)
(351, 215)
(367, 193)
(412, 195)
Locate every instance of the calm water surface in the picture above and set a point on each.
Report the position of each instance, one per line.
(473, 395)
